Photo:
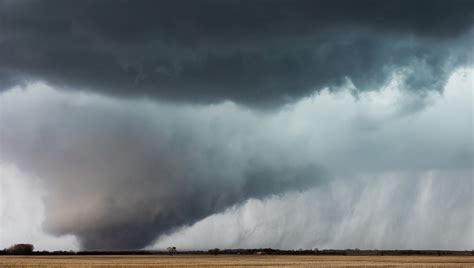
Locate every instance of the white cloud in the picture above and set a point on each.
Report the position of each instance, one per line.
(22, 212)
(429, 210)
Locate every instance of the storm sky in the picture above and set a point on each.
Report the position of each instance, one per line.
(237, 124)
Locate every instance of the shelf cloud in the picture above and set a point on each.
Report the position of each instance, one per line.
(258, 53)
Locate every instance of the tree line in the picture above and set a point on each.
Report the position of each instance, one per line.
(28, 249)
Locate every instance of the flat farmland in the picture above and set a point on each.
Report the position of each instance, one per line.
(235, 261)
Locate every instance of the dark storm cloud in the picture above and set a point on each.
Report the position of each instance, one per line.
(250, 52)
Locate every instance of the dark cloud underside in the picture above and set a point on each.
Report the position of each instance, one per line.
(251, 52)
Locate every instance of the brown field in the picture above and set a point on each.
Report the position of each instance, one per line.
(236, 261)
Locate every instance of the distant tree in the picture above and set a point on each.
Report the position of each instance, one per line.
(21, 249)
(171, 250)
(214, 251)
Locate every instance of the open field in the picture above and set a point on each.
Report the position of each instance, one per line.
(236, 261)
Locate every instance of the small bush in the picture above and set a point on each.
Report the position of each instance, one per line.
(215, 251)
(172, 250)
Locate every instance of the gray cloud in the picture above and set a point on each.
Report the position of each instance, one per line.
(258, 53)
(121, 173)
